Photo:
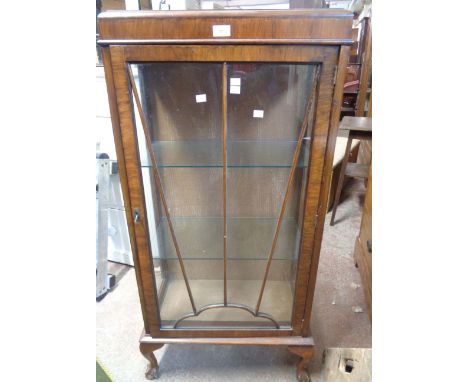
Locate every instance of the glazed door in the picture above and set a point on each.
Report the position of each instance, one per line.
(225, 152)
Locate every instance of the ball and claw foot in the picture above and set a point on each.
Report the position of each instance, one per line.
(303, 376)
(152, 371)
(306, 353)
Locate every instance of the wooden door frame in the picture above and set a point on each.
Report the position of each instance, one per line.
(326, 114)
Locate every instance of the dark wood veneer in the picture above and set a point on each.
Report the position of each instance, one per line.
(317, 36)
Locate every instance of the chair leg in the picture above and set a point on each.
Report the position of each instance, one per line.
(339, 188)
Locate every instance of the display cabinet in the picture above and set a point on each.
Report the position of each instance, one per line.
(225, 126)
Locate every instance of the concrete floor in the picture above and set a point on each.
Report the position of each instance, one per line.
(334, 322)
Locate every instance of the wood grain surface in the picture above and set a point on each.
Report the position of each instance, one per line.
(315, 37)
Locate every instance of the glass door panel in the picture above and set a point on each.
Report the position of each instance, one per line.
(220, 145)
(181, 104)
(266, 108)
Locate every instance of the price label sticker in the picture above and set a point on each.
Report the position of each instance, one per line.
(221, 30)
(235, 81)
(258, 113)
(200, 98)
(234, 89)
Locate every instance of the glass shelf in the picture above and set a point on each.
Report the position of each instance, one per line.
(240, 153)
(249, 238)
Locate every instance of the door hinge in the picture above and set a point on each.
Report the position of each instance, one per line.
(336, 73)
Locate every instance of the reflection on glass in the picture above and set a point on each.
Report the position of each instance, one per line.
(266, 109)
(266, 106)
(242, 153)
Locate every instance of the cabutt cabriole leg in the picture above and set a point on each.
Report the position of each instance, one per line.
(306, 353)
(152, 372)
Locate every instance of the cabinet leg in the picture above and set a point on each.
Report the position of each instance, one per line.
(152, 372)
(306, 353)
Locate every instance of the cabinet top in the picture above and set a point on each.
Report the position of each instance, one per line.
(304, 26)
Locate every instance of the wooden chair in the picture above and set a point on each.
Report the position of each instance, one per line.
(352, 128)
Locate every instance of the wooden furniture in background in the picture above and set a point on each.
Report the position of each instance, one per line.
(225, 124)
(338, 156)
(364, 95)
(363, 246)
(357, 84)
(366, 63)
(357, 94)
(353, 128)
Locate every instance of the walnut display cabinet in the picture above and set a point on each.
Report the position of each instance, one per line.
(225, 125)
